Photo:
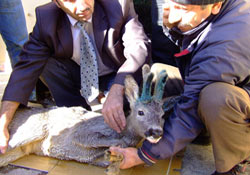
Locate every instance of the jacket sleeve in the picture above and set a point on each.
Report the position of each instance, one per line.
(25, 74)
(137, 46)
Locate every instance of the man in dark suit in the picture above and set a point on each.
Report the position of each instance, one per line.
(52, 53)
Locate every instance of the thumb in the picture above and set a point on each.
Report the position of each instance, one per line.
(4, 139)
(3, 146)
(116, 150)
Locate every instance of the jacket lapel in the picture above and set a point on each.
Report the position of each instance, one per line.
(100, 26)
(65, 36)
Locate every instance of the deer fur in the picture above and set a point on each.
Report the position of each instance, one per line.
(73, 133)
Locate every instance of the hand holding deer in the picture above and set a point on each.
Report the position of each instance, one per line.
(7, 111)
(113, 108)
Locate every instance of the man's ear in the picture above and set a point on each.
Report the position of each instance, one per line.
(216, 8)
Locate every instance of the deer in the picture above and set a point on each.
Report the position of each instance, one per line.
(74, 133)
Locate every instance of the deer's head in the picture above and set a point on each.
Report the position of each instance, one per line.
(146, 108)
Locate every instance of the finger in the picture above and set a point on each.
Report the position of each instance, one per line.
(118, 115)
(105, 115)
(3, 149)
(122, 118)
(109, 116)
(116, 150)
(3, 146)
(119, 151)
(4, 139)
(112, 123)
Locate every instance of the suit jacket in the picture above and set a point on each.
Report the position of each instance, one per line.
(120, 40)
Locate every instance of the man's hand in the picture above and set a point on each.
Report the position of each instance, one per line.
(7, 111)
(130, 156)
(113, 108)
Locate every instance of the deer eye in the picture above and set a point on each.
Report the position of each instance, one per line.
(140, 113)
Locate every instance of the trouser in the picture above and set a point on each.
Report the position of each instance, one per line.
(63, 80)
(13, 27)
(225, 111)
(13, 30)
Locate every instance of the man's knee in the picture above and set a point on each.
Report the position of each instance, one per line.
(218, 99)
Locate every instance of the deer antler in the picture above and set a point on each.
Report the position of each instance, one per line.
(146, 95)
(159, 85)
(147, 81)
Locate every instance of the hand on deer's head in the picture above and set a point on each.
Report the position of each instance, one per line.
(146, 109)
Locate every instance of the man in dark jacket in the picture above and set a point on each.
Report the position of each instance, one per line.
(214, 64)
(53, 52)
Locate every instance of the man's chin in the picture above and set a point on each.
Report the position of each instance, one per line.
(184, 28)
(83, 18)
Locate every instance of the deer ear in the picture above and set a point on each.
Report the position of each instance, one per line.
(131, 89)
(169, 102)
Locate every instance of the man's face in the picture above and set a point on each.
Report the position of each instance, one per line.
(184, 17)
(81, 10)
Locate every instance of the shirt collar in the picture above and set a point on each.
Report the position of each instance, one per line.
(73, 21)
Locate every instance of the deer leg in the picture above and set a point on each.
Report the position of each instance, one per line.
(115, 161)
(76, 152)
(101, 162)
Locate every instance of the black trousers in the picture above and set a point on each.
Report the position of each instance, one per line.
(62, 77)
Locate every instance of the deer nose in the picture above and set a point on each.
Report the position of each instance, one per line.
(154, 132)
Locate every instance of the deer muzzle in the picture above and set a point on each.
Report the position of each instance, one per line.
(153, 135)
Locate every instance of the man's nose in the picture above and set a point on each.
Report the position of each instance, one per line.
(81, 6)
(174, 16)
